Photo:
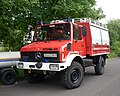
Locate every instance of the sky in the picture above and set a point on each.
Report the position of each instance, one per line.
(111, 9)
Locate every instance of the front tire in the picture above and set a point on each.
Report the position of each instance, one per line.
(72, 76)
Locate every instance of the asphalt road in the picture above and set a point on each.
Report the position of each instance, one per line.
(92, 85)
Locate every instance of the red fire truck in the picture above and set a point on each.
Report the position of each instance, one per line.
(65, 48)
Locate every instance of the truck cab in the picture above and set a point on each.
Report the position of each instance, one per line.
(65, 47)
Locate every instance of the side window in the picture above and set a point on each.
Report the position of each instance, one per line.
(75, 32)
(41, 34)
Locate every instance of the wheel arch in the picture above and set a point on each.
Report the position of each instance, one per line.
(79, 60)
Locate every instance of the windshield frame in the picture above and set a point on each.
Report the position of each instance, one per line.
(36, 30)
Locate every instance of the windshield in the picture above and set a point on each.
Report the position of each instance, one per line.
(53, 32)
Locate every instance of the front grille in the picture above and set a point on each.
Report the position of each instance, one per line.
(30, 57)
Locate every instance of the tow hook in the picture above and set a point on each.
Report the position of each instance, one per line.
(39, 64)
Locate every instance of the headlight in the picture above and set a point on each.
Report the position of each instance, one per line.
(50, 55)
(54, 67)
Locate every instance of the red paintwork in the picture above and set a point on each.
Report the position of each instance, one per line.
(88, 39)
(83, 47)
(101, 49)
(40, 46)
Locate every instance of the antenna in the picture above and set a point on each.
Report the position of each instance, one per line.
(41, 22)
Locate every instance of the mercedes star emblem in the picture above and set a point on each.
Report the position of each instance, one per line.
(38, 56)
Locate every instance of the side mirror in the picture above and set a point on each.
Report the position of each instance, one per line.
(30, 33)
(30, 28)
(84, 31)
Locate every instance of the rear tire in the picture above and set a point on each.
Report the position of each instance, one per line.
(72, 76)
(99, 68)
(34, 77)
(8, 77)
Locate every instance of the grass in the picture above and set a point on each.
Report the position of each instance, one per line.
(20, 74)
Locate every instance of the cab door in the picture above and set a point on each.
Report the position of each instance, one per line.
(79, 41)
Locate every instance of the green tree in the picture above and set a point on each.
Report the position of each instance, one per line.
(16, 15)
(114, 29)
(13, 22)
(61, 9)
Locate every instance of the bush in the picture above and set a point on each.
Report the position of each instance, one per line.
(112, 54)
(114, 27)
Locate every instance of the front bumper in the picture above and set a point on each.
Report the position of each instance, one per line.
(42, 66)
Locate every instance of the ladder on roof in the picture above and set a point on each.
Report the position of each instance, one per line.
(89, 20)
(74, 20)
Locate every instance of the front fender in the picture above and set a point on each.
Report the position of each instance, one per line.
(71, 58)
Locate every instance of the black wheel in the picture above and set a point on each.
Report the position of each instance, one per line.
(34, 77)
(8, 77)
(72, 76)
(99, 68)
